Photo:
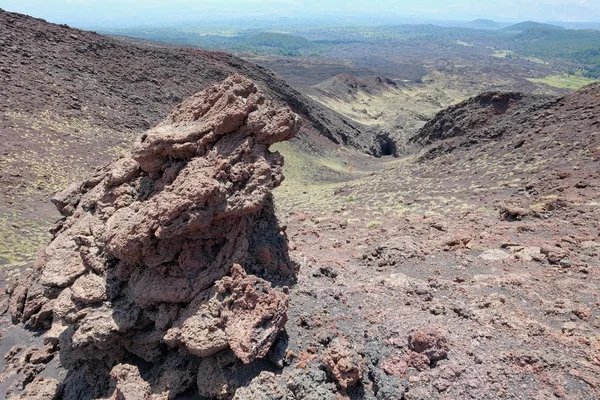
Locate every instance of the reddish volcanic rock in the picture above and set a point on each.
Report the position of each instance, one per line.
(41, 389)
(242, 312)
(143, 254)
(343, 363)
(396, 365)
(129, 384)
(429, 341)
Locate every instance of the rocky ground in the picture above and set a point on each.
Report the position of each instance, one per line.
(468, 268)
(485, 241)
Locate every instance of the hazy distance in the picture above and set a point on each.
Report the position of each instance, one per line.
(123, 13)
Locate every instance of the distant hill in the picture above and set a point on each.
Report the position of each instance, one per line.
(579, 25)
(529, 25)
(581, 46)
(484, 24)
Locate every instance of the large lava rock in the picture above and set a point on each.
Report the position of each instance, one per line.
(147, 263)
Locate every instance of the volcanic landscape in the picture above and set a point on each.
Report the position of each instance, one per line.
(178, 223)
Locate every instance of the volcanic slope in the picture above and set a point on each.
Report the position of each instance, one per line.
(403, 108)
(489, 232)
(73, 100)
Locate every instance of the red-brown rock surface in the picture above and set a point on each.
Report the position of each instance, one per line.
(343, 363)
(148, 259)
(429, 341)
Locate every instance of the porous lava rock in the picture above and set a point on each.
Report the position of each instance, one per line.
(41, 389)
(343, 363)
(172, 250)
(430, 341)
(129, 384)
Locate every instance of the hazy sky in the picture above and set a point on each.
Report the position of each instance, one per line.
(102, 12)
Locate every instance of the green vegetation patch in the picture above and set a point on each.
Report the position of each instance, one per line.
(564, 81)
(581, 46)
(311, 179)
(20, 238)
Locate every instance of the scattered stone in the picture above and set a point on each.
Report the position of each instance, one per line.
(326, 271)
(419, 393)
(462, 310)
(343, 363)
(589, 245)
(440, 226)
(418, 361)
(554, 254)
(495, 255)
(590, 248)
(445, 376)
(396, 365)
(456, 241)
(429, 341)
(41, 388)
(568, 328)
(530, 254)
(513, 212)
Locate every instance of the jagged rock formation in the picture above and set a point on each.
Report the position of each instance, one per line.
(147, 263)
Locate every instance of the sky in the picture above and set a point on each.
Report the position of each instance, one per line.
(85, 13)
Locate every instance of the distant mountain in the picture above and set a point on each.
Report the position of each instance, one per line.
(484, 24)
(579, 25)
(529, 25)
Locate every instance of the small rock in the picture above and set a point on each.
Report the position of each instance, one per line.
(41, 388)
(513, 212)
(440, 226)
(429, 341)
(418, 361)
(43, 355)
(529, 254)
(568, 328)
(265, 386)
(396, 365)
(343, 363)
(494, 255)
(462, 310)
(565, 263)
(554, 254)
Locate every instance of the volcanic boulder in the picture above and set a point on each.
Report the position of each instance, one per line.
(161, 254)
